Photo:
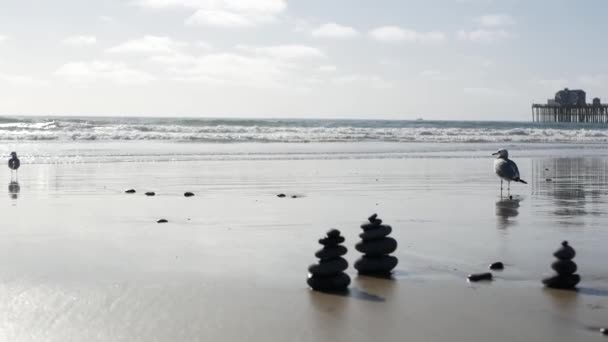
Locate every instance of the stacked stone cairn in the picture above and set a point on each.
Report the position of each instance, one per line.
(376, 246)
(328, 275)
(565, 268)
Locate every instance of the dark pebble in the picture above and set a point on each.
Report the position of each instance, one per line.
(375, 234)
(370, 226)
(337, 282)
(331, 241)
(480, 276)
(376, 265)
(497, 266)
(294, 196)
(565, 252)
(564, 267)
(188, 194)
(377, 247)
(150, 193)
(549, 179)
(372, 218)
(162, 221)
(327, 268)
(333, 233)
(281, 195)
(331, 252)
(130, 191)
(604, 331)
(564, 282)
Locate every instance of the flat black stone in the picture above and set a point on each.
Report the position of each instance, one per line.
(281, 195)
(371, 226)
(372, 218)
(565, 282)
(327, 268)
(497, 266)
(604, 331)
(130, 191)
(337, 282)
(331, 252)
(565, 252)
(564, 267)
(377, 247)
(331, 241)
(375, 234)
(480, 276)
(188, 194)
(150, 193)
(162, 221)
(333, 233)
(376, 265)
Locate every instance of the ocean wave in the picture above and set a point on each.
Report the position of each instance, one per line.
(291, 131)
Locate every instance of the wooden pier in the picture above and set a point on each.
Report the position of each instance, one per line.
(590, 113)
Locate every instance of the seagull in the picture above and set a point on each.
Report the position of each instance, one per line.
(506, 169)
(14, 162)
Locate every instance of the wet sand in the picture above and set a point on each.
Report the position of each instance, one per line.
(82, 260)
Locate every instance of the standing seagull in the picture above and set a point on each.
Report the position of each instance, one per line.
(506, 169)
(14, 163)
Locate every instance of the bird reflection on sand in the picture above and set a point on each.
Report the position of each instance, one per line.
(14, 189)
(506, 209)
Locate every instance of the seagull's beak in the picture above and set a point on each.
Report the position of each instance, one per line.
(495, 153)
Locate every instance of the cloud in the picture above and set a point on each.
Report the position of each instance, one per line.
(3, 38)
(286, 52)
(80, 40)
(23, 80)
(333, 30)
(224, 13)
(328, 68)
(92, 71)
(395, 34)
(553, 84)
(373, 81)
(149, 44)
(495, 20)
(483, 36)
(485, 91)
(433, 75)
(593, 80)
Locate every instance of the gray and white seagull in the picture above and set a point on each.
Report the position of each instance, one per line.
(506, 169)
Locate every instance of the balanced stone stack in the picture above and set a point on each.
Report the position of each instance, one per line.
(376, 245)
(328, 275)
(565, 269)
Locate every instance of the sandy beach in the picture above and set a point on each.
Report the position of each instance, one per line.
(82, 260)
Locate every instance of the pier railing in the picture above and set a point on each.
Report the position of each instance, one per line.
(557, 113)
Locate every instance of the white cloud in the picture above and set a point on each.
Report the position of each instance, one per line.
(395, 34)
(373, 81)
(495, 20)
(149, 44)
(485, 91)
(80, 40)
(286, 52)
(328, 68)
(103, 71)
(333, 30)
(3, 38)
(434, 75)
(592, 80)
(23, 80)
(224, 13)
(483, 36)
(552, 84)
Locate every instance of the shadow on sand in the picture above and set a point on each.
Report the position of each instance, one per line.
(355, 293)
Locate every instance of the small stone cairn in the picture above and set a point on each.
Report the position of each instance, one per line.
(376, 246)
(565, 268)
(328, 275)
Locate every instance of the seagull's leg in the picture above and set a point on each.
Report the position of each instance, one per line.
(501, 188)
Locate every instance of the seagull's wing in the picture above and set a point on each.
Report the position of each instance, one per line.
(506, 169)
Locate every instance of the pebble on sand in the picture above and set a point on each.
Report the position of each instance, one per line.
(604, 331)
(497, 266)
(150, 193)
(281, 195)
(130, 191)
(480, 276)
(162, 221)
(188, 194)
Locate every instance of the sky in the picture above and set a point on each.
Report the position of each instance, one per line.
(363, 59)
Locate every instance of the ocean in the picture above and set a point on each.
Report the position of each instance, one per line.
(109, 139)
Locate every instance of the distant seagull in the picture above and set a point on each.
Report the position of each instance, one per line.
(14, 162)
(506, 169)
